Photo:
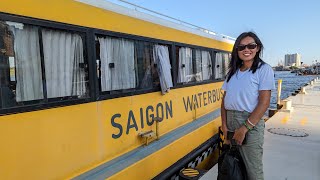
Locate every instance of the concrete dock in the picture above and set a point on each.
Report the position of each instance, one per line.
(292, 140)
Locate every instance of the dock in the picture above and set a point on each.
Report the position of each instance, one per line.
(292, 140)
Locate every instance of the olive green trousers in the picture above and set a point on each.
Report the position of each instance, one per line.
(252, 150)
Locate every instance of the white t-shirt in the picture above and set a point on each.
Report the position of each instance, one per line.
(243, 88)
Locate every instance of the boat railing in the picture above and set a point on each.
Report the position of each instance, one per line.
(172, 19)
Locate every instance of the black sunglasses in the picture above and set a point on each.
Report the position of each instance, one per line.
(249, 46)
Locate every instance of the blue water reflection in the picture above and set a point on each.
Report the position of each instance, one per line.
(290, 83)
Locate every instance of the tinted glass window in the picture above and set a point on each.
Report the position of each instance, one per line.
(38, 64)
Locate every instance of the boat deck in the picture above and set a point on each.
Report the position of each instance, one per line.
(295, 154)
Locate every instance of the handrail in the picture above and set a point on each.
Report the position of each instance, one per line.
(178, 20)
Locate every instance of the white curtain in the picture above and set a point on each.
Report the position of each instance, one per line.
(28, 64)
(206, 65)
(185, 70)
(120, 52)
(198, 61)
(161, 58)
(63, 53)
(222, 59)
(226, 59)
(219, 67)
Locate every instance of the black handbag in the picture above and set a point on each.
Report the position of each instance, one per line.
(230, 164)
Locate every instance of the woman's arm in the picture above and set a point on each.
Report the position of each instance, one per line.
(263, 104)
(256, 115)
(224, 119)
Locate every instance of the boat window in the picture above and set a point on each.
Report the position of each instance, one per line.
(206, 65)
(197, 64)
(221, 64)
(65, 68)
(194, 65)
(185, 65)
(117, 64)
(126, 65)
(37, 64)
(146, 71)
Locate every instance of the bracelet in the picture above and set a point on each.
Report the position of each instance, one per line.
(250, 123)
(245, 124)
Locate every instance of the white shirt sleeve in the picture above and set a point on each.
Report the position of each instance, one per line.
(266, 78)
(224, 86)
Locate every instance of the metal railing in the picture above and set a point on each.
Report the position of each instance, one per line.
(149, 11)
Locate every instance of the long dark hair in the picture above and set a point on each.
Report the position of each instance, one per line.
(236, 62)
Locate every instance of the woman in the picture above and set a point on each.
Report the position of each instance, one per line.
(247, 94)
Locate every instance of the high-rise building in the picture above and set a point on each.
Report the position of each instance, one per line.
(292, 60)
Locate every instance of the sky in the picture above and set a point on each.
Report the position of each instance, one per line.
(284, 26)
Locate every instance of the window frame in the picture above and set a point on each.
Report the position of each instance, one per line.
(46, 103)
(88, 36)
(212, 52)
(104, 95)
(214, 64)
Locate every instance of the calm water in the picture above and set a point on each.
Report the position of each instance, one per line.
(290, 83)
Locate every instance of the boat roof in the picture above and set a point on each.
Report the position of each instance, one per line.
(157, 18)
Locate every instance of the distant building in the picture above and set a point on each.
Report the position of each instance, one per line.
(292, 60)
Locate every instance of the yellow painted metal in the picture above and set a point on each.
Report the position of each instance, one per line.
(49, 144)
(210, 161)
(160, 160)
(64, 142)
(190, 172)
(279, 91)
(130, 141)
(73, 12)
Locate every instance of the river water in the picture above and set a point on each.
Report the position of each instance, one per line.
(290, 83)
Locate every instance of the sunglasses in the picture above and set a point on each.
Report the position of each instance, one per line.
(249, 46)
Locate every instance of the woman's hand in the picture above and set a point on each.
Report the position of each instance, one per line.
(239, 134)
(225, 134)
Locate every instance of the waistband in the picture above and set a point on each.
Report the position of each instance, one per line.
(238, 112)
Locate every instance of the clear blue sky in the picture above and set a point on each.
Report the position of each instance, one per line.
(284, 26)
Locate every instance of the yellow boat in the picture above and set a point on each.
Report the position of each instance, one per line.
(94, 90)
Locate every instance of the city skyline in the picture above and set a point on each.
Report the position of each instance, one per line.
(284, 27)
